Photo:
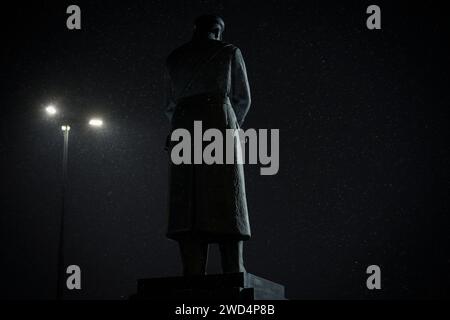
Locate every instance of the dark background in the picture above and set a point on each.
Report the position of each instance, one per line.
(363, 120)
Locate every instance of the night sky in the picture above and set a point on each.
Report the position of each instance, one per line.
(363, 119)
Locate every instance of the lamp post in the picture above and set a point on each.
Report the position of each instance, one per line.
(94, 122)
(60, 269)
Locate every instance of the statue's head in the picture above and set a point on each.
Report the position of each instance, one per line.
(209, 27)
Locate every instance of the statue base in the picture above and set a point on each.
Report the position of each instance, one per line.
(241, 286)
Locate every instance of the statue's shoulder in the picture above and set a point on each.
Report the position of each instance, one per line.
(229, 47)
(193, 48)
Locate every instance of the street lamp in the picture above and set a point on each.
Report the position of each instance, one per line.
(95, 122)
(51, 110)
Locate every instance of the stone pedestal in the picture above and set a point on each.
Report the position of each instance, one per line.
(240, 286)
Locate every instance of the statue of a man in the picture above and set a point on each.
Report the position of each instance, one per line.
(207, 81)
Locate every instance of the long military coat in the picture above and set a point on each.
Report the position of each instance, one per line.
(207, 81)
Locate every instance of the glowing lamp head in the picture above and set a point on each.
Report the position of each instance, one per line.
(65, 128)
(96, 122)
(51, 110)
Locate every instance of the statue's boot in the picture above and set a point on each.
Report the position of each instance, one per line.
(232, 256)
(194, 255)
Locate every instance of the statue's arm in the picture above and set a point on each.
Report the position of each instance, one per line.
(240, 88)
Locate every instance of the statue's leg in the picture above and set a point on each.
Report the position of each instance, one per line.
(194, 255)
(232, 256)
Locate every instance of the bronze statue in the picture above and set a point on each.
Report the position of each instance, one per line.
(207, 81)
